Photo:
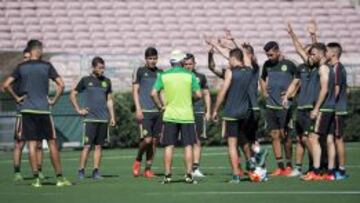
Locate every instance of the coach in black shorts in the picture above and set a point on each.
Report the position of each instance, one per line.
(37, 123)
(277, 75)
(98, 112)
(147, 113)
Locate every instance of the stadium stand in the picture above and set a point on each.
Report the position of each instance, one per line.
(121, 30)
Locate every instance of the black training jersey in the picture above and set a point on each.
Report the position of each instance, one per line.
(32, 78)
(237, 101)
(198, 105)
(329, 103)
(303, 101)
(146, 78)
(341, 81)
(313, 89)
(253, 88)
(279, 75)
(95, 91)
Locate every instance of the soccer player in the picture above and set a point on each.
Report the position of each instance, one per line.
(202, 113)
(323, 113)
(333, 54)
(236, 109)
(306, 96)
(37, 123)
(178, 85)
(19, 141)
(277, 75)
(98, 113)
(259, 154)
(147, 113)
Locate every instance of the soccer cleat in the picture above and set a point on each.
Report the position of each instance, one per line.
(190, 180)
(329, 177)
(340, 176)
(62, 181)
(136, 168)
(295, 173)
(261, 157)
(18, 177)
(287, 171)
(36, 183)
(149, 174)
(277, 172)
(166, 180)
(197, 174)
(41, 176)
(96, 175)
(312, 176)
(81, 174)
(235, 179)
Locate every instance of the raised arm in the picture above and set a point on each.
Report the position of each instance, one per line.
(312, 29)
(297, 44)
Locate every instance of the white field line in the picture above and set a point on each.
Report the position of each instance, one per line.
(258, 193)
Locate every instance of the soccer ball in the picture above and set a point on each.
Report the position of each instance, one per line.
(258, 175)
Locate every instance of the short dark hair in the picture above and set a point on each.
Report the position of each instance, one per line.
(271, 45)
(26, 50)
(237, 53)
(319, 46)
(189, 56)
(34, 44)
(96, 60)
(150, 51)
(337, 46)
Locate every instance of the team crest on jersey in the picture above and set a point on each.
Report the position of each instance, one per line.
(91, 84)
(146, 74)
(103, 84)
(145, 132)
(284, 68)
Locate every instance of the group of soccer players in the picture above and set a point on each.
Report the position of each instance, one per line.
(173, 106)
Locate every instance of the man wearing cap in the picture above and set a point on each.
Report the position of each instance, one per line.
(178, 86)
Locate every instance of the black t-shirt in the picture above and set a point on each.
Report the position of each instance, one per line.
(279, 75)
(198, 105)
(145, 77)
(32, 79)
(95, 90)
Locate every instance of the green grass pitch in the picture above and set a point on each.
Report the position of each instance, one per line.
(120, 186)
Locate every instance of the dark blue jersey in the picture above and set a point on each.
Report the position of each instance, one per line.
(95, 91)
(198, 105)
(341, 81)
(145, 77)
(237, 101)
(279, 75)
(32, 78)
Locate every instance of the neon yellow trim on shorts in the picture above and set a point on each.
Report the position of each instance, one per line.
(35, 111)
(341, 113)
(274, 107)
(95, 121)
(305, 107)
(150, 110)
(327, 110)
(229, 119)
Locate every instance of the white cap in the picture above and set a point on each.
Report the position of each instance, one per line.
(177, 56)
